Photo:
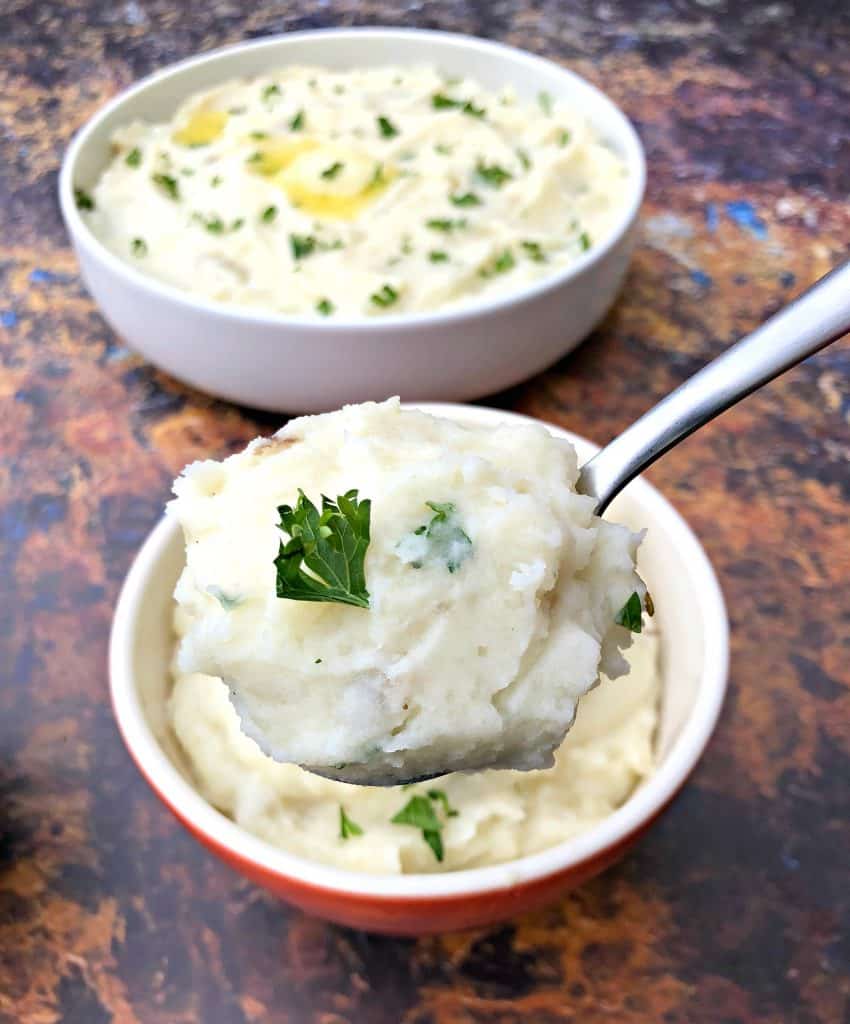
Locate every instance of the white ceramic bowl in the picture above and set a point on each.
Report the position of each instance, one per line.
(694, 640)
(293, 363)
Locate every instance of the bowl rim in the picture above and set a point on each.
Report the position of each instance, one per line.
(81, 233)
(220, 832)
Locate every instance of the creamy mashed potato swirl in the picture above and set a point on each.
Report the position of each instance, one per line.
(357, 193)
(500, 815)
(493, 595)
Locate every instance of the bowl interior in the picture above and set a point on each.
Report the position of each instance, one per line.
(156, 98)
(694, 643)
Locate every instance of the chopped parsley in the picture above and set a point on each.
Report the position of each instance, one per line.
(302, 245)
(237, 224)
(215, 181)
(169, 185)
(139, 247)
(465, 199)
(325, 307)
(347, 827)
(255, 158)
(492, 174)
(259, 135)
(269, 214)
(377, 178)
(297, 122)
(385, 296)
(215, 225)
(439, 101)
(438, 256)
(584, 241)
(445, 223)
(545, 101)
(524, 159)
(387, 129)
(271, 90)
(441, 797)
(500, 265)
(534, 251)
(331, 545)
(442, 540)
(442, 149)
(564, 137)
(331, 172)
(134, 157)
(419, 812)
(630, 614)
(83, 200)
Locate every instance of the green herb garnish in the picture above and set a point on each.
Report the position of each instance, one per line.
(439, 101)
(325, 307)
(419, 812)
(139, 247)
(255, 158)
(134, 157)
(387, 129)
(442, 149)
(385, 296)
(377, 178)
(83, 200)
(215, 225)
(302, 245)
(584, 241)
(564, 137)
(331, 545)
(297, 122)
(271, 90)
(331, 172)
(169, 185)
(501, 264)
(215, 181)
(237, 224)
(466, 199)
(259, 135)
(347, 827)
(440, 796)
(524, 159)
(443, 539)
(545, 101)
(269, 214)
(445, 223)
(630, 614)
(438, 256)
(493, 174)
(534, 251)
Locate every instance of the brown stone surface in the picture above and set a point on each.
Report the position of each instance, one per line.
(736, 907)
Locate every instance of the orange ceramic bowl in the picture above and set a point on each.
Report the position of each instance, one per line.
(694, 642)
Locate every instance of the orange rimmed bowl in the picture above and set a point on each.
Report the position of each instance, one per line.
(694, 665)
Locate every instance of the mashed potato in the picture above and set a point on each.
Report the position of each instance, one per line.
(500, 815)
(357, 193)
(489, 603)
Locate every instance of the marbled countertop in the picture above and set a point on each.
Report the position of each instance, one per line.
(736, 907)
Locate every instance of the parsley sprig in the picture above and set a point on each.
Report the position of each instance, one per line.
(630, 614)
(323, 560)
(420, 813)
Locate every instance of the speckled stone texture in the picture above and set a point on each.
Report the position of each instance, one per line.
(736, 907)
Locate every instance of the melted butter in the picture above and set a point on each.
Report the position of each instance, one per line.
(276, 155)
(342, 196)
(202, 128)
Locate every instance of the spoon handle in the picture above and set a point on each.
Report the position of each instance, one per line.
(818, 317)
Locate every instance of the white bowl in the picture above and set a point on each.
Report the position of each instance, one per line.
(292, 363)
(694, 642)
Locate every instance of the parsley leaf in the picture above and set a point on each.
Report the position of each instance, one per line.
(534, 251)
(467, 199)
(134, 157)
(302, 245)
(325, 307)
(297, 122)
(492, 174)
(259, 135)
(564, 137)
(387, 129)
(441, 797)
(331, 172)
(545, 101)
(438, 256)
(419, 813)
(83, 200)
(332, 545)
(269, 214)
(630, 614)
(524, 159)
(139, 247)
(501, 265)
(439, 101)
(347, 827)
(584, 241)
(170, 186)
(385, 296)
(442, 539)
(215, 180)
(271, 90)
(445, 223)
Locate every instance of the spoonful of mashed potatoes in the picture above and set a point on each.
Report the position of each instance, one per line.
(390, 595)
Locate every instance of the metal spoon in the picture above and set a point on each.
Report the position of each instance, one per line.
(818, 317)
